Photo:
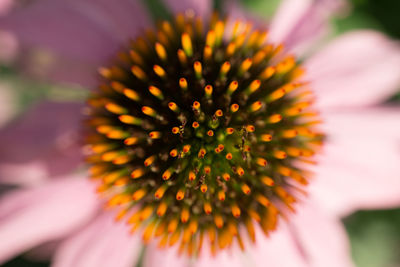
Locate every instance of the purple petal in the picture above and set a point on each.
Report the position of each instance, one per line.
(351, 70)
(33, 216)
(322, 237)
(103, 243)
(47, 136)
(85, 34)
(299, 23)
(359, 167)
(201, 8)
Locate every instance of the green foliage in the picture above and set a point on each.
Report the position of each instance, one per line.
(375, 237)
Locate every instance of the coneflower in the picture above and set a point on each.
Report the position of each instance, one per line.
(199, 130)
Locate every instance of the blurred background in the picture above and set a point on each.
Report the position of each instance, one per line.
(374, 234)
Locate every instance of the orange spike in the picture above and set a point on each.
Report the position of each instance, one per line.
(160, 50)
(226, 176)
(149, 111)
(219, 222)
(130, 141)
(180, 195)
(197, 69)
(234, 107)
(159, 71)
(173, 153)
(221, 195)
(175, 130)
(263, 200)
(196, 105)
(279, 154)
(250, 128)
(139, 194)
(207, 208)
(203, 188)
(246, 189)
(187, 44)
(262, 162)
(230, 130)
(232, 87)
(185, 215)
(208, 90)
(275, 118)
(183, 84)
(266, 137)
(156, 92)
(167, 174)
(137, 173)
(195, 124)
(155, 135)
(225, 67)
(245, 66)
(235, 211)
(267, 181)
(186, 148)
(192, 176)
(160, 192)
(116, 109)
(240, 171)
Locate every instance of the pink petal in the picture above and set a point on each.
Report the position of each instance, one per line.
(83, 33)
(322, 237)
(280, 249)
(225, 258)
(47, 136)
(156, 257)
(34, 216)
(32, 173)
(360, 166)
(8, 46)
(299, 23)
(358, 68)
(5, 6)
(201, 8)
(102, 243)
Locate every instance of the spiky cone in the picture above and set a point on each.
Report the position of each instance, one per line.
(202, 132)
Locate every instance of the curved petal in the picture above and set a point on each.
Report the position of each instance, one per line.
(233, 257)
(358, 68)
(201, 8)
(102, 243)
(5, 6)
(46, 136)
(298, 23)
(23, 174)
(279, 249)
(34, 216)
(8, 47)
(84, 34)
(321, 237)
(156, 257)
(360, 166)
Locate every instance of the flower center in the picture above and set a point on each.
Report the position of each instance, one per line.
(195, 133)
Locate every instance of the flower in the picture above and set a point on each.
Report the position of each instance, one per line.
(366, 178)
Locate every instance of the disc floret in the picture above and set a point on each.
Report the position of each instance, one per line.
(197, 133)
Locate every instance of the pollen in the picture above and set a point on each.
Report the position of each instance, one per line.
(201, 130)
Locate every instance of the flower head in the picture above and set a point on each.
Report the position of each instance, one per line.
(137, 134)
(202, 131)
